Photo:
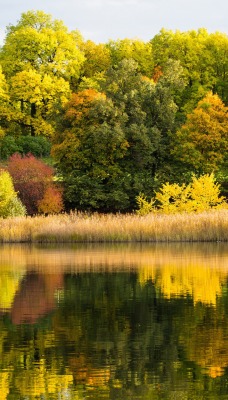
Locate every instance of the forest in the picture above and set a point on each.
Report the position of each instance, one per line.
(91, 126)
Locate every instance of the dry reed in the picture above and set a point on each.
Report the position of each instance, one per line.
(78, 227)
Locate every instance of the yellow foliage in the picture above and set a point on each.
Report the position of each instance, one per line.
(202, 194)
(39, 381)
(8, 286)
(57, 383)
(205, 346)
(202, 283)
(4, 384)
(145, 207)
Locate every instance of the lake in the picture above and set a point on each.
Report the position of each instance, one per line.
(123, 321)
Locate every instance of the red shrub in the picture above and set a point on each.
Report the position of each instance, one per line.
(31, 178)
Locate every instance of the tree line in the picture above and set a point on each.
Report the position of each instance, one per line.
(118, 118)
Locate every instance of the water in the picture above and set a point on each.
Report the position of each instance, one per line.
(114, 322)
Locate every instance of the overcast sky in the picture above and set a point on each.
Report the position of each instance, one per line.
(101, 20)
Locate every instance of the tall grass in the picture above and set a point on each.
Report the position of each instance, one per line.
(76, 227)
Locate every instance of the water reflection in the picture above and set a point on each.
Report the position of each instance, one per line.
(117, 322)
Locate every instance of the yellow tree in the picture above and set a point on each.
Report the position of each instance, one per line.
(201, 145)
(40, 59)
(10, 205)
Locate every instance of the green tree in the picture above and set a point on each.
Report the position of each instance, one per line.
(87, 148)
(135, 49)
(40, 60)
(108, 147)
(203, 57)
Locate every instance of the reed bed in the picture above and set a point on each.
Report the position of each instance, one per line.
(78, 227)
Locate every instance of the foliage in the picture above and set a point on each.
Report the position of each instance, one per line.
(144, 206)
(10, 205)
(202, 142)
(203, 58)
(109, 145)
(124, 117)
(87, 148)
(31, 179)
(39, 58)
(52, 202)
(201, 194)
(39, 146)
(132, 49)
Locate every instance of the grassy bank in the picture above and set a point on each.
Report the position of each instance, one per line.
(207, 226)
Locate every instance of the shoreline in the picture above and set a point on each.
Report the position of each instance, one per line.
(208, 226)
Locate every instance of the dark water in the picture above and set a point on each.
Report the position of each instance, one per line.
(117, 322)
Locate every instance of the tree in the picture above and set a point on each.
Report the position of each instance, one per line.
(108, 146)
(31, 179)
(201, 144)
(203, 57)
(132, 49)
(40, 60)
(10, 205)
(87, 148)
(4, 104)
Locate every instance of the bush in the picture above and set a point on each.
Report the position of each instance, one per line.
(39, 146)
(8, 146)
(52, 202)
(10, 205)
(202, 194)
(33, 180)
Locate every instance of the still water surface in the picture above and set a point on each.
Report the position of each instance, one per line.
(114, 322)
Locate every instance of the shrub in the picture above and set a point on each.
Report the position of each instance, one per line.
(52, 202)
(202, 194)
(145, 207)
(10, 205)
(31, 177)
(39, 146)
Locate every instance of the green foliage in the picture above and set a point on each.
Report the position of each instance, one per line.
(15, 208)
(40, 59)
(10, 205)
(203, 57)
(39, 146)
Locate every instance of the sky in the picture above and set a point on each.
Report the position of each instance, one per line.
(104, 20)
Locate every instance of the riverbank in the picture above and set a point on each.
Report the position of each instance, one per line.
(78, 227)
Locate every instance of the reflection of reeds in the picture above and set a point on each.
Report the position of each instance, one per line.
(76, 227)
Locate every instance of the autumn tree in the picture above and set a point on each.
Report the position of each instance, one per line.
(201, 145)
(40, 59)
(31, 178)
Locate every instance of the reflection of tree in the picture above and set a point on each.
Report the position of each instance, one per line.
(9, 284)
(112, 337)
(204, 334)
(202, 283)
(35, 297)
